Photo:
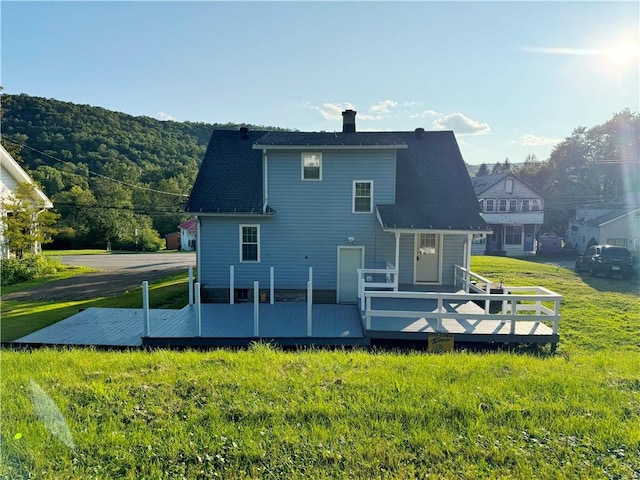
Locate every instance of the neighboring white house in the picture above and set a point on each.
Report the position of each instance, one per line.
(11, 175)
(188, 235)
(612, 224)
(514, 211)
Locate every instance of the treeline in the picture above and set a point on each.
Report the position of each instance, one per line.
(113, 178)
(592, 165)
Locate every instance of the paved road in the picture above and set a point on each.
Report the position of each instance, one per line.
(118, 274)
(133, 262)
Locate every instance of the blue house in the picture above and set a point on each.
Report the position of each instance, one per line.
(392, 203)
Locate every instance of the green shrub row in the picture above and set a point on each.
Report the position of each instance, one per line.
(13, 270)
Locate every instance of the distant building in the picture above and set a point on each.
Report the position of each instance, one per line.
(188, 235)
(514, 211)
(611, 223)
(172, 241)
(12, 175)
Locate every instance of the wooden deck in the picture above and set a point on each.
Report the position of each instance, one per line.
(222, 324)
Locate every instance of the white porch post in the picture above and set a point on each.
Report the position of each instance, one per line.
(145, 307)
(271, 286)
(256, 309)
(309, 308)
(190, 285)
(231, 285)
(397, 265)
(198, 312)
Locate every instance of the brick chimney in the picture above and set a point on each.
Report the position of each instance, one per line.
(349, 121)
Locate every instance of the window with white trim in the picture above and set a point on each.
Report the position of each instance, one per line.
(513, 235)
(502, 205)
(513, 205)
(249, 243)
(362, 196)
(311, 166)
(526, 204)
(489, 205)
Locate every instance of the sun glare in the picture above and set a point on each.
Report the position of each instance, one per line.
(622, 53)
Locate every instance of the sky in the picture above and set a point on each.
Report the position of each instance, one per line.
(509, 78)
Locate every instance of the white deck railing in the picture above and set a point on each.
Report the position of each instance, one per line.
(376, 279)
(532, 304)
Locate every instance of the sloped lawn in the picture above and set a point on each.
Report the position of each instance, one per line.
(265, 413)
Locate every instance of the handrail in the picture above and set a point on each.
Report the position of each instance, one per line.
(512, 310)
(364, 285)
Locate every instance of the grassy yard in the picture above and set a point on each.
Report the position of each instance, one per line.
(265, 413)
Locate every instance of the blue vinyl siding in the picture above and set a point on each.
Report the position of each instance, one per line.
(312, 219)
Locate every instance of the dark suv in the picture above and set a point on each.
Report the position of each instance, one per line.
(607, 259)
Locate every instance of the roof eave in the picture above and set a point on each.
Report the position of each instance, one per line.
(257, 146)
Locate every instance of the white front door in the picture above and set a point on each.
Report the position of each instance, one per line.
(350, 259)
(427, 266)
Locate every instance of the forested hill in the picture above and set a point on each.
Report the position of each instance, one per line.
(75, 151)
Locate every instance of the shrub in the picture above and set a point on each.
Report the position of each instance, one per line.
(13, 270)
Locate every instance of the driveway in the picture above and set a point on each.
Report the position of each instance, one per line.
(118, 274)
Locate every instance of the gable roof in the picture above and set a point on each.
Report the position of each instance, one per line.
(230, 178)
(188, 225)
(327, 139)
(18, 175)
(613, 215)
(485, 182)
(433, 188)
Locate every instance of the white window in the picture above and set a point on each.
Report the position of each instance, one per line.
(620, 242)
(513, 205)
(526, 205)
(535, 204)
(502, 205)
(513, 235)
(362, 196)
(311, 166)
(490, 205)
(249, 243)
(508, 185)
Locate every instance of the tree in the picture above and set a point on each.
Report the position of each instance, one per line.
(483, 171)
(25, 221)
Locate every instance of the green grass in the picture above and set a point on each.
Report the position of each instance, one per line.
(66, 272)
(91, 251)
(20, 318)
(266, 413)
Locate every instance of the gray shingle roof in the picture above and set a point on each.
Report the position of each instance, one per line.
(433, 189)
(230, 177)
(337, 139)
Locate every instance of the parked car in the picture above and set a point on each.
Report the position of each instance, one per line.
(607, 259)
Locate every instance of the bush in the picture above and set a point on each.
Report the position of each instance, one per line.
(13, 270)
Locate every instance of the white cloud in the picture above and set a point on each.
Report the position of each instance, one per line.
(384, 106)
(425, 113)
(536, 141)
(461, 125)
(332, 111)
(164, 116)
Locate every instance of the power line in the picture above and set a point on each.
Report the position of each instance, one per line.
(131, 185)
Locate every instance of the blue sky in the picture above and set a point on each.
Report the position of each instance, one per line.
(510, 78)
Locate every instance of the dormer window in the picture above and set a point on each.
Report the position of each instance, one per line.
(312, 166)
(508, 185)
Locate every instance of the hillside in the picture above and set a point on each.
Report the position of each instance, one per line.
(76, 152)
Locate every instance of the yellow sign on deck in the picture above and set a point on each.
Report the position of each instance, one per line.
(440, 342)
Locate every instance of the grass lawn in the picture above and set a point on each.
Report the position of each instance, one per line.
(266, 413)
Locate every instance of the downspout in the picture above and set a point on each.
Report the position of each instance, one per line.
(397, 265)
(265, 176)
